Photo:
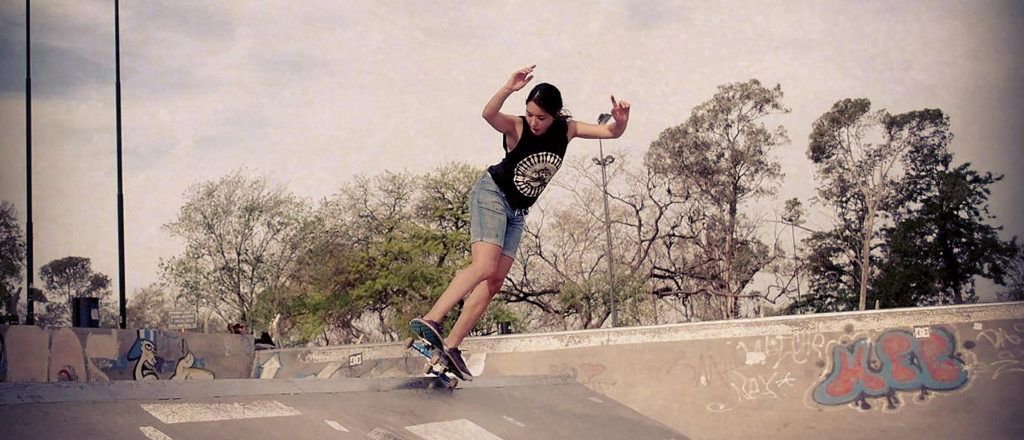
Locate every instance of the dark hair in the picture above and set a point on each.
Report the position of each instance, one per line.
(548, 98)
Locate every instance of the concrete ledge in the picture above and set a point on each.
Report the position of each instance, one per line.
(847, 322)
(781, 325)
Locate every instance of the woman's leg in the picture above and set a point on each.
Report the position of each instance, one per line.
(486, 258)
(477, 302)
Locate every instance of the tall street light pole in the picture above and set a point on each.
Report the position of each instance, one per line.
(30, 317)
(120, 181)
(604, 161)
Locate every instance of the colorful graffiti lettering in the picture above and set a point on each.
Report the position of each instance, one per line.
(906, 364)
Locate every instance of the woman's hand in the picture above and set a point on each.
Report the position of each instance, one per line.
(620, 110)
(520, 78)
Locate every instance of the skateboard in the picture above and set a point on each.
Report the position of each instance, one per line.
(437, 363)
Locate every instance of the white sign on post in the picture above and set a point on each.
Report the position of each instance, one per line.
(182, 319)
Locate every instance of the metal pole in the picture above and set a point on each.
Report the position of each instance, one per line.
(608, 234)
(30, 318)
(602, 119)
(120, 180)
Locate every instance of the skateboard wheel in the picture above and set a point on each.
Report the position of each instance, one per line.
(452, 383)
(408, 342)
(427, 368)
(435, 359)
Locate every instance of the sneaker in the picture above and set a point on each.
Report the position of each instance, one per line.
(456, 361)
(429, 330)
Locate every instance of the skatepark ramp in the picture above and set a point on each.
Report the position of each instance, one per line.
(944, 372)
(536, 408)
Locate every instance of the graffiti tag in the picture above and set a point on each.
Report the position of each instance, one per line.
(902, 363)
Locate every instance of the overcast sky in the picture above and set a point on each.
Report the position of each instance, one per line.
(312, 93)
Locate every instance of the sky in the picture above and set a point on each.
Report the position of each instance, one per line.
(313, 93)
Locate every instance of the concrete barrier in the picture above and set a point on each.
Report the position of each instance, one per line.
(33, 354)
(949, 372)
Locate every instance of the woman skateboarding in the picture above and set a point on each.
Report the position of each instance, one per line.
(534, 147)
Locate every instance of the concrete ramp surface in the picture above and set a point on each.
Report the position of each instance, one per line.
(378, 409)
(953, 373)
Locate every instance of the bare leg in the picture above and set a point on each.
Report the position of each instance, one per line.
(485, 264)
(477, 303)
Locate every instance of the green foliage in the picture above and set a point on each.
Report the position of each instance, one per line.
(12, 258)
(388, 245)
(67, 278)
(832, 274)
(723, 154)
(242, 237)
(148, 308)
(858, 155)
(909, 227)
(497, 313)
(940, 241)
(1015, 278)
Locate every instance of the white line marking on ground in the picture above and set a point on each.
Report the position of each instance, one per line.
(382, 434)
(596, 399)
(209, 412)
(461, 429)
(154, 434)
(514, 422)
(336, 425)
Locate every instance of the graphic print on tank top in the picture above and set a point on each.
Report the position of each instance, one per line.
(534, 173)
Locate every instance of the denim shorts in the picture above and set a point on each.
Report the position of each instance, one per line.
(491, 219)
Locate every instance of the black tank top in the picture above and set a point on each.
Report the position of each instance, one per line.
(526, 170)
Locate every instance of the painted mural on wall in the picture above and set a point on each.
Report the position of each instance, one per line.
(143, 353)
(305, 365)
(896, 361)
(148, 365)
(33, 354)
(883, 369)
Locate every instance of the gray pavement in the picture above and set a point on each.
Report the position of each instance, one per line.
(542, 407)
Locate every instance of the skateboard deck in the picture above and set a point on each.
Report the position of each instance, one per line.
(437, 363)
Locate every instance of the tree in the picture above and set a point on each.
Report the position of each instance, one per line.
(391, 244)
(443, 201)
(149, 308)
(68, 278)
(723, 153)
(940, 242)
(793, 216)
(559, 267)
(858, 156)
(12, 258)
(317, 303)
(391, 251)
(831, 273)
(243, 236)
(1015, 274)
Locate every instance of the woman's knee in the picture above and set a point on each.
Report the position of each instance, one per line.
(485, 270)
(495, 281)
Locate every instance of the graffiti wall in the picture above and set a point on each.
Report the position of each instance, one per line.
(356, 361)
(32, 354)
(921, 373)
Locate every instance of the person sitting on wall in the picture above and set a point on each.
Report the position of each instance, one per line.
(265, 342)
